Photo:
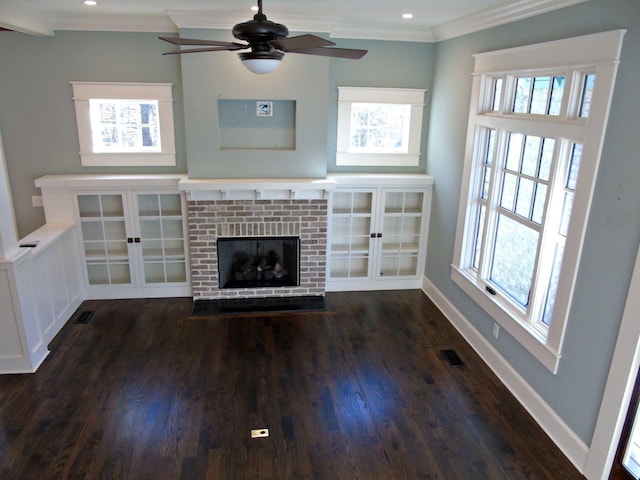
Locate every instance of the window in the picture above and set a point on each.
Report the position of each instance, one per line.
(124, 124)
(379, 126)
(537, 121)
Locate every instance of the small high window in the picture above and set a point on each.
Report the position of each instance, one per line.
(124, 124)
(379, 126)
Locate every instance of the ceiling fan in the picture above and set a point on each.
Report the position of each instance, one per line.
(268, 42)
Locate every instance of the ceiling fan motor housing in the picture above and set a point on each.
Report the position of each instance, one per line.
(259, 31)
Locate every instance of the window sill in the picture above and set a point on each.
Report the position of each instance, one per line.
(128, 159)
(529, 338)
(344, 159)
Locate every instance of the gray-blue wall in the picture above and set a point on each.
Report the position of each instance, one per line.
(37, 116)
(614, 226)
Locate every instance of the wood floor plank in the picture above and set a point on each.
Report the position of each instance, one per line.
(146, 390)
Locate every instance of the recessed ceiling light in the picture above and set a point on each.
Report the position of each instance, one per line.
(407, 16)
(90, 3)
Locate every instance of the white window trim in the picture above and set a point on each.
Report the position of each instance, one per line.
(406, 96)
(162, 92)
(599, 53)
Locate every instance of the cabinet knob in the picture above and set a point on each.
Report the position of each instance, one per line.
(129, 240)
(373, 235)
(137, 239)
(379, 235)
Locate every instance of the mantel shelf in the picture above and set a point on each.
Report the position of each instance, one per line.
(256, 189)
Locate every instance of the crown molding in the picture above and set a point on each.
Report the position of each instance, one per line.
(114, 23)
(400, 33)
(17, 17)
(225, 20)
(300, 23)
(500, 15)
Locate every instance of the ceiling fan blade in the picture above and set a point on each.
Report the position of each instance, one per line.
(300, 42)
(211, 43)
(351, 53)
(206, 49)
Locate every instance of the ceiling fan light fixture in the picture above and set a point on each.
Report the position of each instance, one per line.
(261, 62)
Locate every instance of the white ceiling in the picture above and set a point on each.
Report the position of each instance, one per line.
(371, 19)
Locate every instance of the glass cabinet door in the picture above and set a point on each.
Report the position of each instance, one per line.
(162, 238)
(401, 231)
(352, 224)
(104, 238)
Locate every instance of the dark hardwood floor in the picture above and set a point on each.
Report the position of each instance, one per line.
(145, 390)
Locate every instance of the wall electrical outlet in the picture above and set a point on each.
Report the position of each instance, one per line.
(36, 201)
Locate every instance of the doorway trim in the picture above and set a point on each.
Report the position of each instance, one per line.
(619, 386)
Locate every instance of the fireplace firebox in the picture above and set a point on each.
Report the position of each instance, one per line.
(254, 262)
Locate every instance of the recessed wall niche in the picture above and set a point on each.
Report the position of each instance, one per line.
(258, 124)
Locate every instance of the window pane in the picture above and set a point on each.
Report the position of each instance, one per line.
(394, 137)
(574, 166)
(587, 93)
(530, 157)
(553, 285)
(538, 203)
(375, 138)
(359, 115)
(556, 96)
(513, 152)
(514, 258)
(521, 99)
(485, 183)
(490, 144)
(479, 234)
(540, 95)
(497, 93)
(546, 158)
(567, 205)
(359, 137)
(377, 116)
(509, 185)
(525, 196)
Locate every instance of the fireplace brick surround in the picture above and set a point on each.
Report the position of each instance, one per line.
(209, 220)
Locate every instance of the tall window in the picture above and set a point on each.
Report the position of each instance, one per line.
(124, 124)
(536, 126)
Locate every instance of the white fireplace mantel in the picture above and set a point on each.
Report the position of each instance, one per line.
(257, 189)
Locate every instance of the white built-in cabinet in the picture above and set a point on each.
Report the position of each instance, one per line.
(132, 232)
(40, 289)
(377, 231)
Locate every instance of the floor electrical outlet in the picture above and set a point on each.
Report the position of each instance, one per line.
(259, 433)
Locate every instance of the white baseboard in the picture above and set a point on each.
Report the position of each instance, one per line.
(565, 438)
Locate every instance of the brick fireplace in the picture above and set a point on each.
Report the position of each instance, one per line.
(224, 209)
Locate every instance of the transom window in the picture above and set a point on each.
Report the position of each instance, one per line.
(535, 137)
(125, 124)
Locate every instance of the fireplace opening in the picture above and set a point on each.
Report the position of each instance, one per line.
(253, 262)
